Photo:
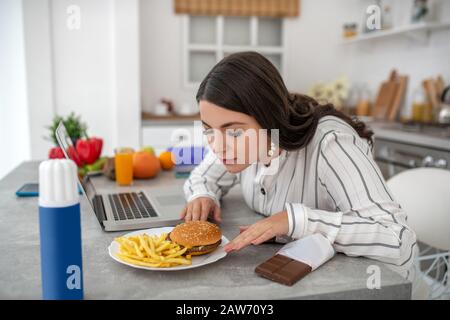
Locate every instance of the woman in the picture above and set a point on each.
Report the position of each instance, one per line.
(325, 179)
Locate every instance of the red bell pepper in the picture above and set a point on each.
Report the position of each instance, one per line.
(89, 150)
(86, 151)
(56, 153)
(75, 156)
(98, 145)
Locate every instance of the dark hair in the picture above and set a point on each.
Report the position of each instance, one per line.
(249, 83)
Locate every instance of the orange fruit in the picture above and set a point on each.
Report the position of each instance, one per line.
(166, 160)
(145, 165)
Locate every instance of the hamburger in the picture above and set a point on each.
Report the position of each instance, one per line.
(199, 237)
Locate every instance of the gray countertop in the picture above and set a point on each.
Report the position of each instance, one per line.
(230, 278)
(425, 136)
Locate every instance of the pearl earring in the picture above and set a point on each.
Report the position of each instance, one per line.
(272, 149)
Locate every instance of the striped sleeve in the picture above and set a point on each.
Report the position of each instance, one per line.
(367, 221)
(209, 179)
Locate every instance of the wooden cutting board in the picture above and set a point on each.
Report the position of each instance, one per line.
(431, 91)
(440, 85)
(385, 98)
(398, 98)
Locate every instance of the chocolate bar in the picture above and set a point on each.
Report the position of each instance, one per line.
(282, 269)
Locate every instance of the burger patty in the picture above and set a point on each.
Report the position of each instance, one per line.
(198, 248)
(204, 248)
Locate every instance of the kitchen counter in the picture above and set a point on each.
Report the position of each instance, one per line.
(230, 278)
(425, 136)
(150, 120)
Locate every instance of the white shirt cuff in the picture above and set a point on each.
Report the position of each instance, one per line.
(314, 250)
(297, 219)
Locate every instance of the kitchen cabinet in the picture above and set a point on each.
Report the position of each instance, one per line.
(401, 147)
(206, 40)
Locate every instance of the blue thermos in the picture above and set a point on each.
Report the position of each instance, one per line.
(60, 231)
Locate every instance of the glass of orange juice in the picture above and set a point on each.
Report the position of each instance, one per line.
(124, 166)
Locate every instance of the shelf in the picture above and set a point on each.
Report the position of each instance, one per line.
(429, 26)
(170, 117)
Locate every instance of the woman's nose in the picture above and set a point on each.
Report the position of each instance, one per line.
(221, 146)
(217, 143)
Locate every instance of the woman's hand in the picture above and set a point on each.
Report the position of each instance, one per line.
(199, 209)
(261, 231)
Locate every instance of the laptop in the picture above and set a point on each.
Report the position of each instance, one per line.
(140, 207)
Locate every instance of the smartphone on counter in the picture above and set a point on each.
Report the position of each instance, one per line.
(32, 190)
(28, 190)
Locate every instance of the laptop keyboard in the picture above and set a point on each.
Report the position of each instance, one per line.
(133, 205)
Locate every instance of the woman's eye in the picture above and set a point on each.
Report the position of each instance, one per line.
(234, 132)
(230, 132)
(208, 132)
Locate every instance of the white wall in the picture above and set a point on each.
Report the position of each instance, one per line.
(39, 69)
(14, 120)
(314, 49)
(96, 68)
(93, 70)
(49, 69)
(82, 62)
(161, 55)
(126, 76)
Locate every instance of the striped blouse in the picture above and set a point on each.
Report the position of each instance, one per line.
(332, 186)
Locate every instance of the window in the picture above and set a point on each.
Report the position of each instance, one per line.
(207, 39)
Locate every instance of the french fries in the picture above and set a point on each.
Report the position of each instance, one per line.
(152, 251)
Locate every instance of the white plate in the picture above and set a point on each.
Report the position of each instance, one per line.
(197, 261)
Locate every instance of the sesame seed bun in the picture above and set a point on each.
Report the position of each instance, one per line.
(200, 237)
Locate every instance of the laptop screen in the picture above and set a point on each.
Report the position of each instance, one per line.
(65, 142)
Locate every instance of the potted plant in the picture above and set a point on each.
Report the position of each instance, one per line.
(85, 151)
(76, 129)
